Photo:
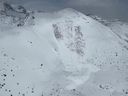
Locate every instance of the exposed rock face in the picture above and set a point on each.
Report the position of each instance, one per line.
(73, 36)
(18, 15)
(57, 32)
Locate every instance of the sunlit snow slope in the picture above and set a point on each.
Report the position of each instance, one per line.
(63, 53)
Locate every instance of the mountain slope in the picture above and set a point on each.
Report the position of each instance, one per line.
(62, 53)
(121, 30)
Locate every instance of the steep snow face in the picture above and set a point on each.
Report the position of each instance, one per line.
(63, 53)
(121, 30)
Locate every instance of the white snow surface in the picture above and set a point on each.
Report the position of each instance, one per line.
(63, 53)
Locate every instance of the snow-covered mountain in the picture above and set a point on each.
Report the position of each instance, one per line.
(63, 53)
